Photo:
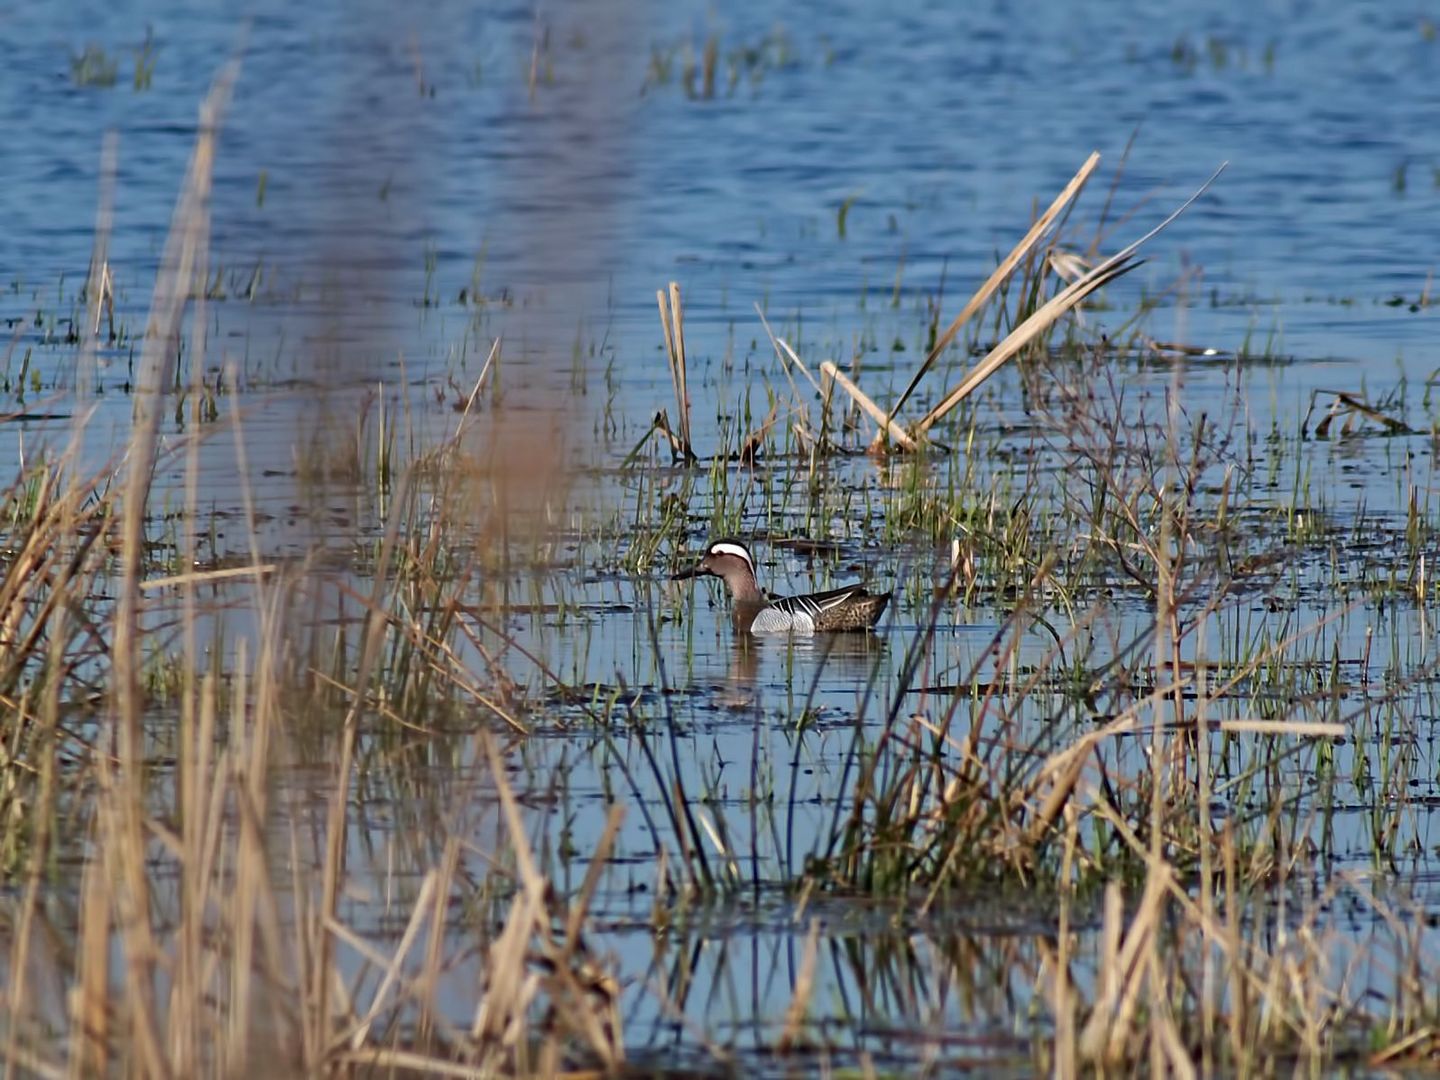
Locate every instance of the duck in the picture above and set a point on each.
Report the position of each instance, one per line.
(851, 608)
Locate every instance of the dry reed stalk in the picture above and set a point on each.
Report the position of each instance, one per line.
(1170, 1048)
(575, 919)
(1123, 971)
(1022, 335)
(389, 1061)
(1118, 264)
(509, 987)
(252, 879)
(491, 360)
(677, 315)
(429, 977)
(807, 431)
(422, 909)
(194, 791)
(1305, 729)
(786, 355)
(584, 1002)
(206, 577)
(1416, 1047)
(15, 996)
(672, 325)
(717, 840)
(887, 425)
(181, 266)
(1238, 1018)
(89, 1001)
(23, 572)
(185, 1015)
(179, 269)
(1107, 965)
(754, 442)
(98, 285)
(1256, 979)
(121, 849)
(999, 276)
(318, 1015)
(1063, 996)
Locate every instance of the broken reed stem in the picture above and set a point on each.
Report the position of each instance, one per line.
(887, 425)
(97, 284)
(1122, 971)
(786, 355)
(1022, 335)
(1318, 729)
(677, 313)
(672, 325)
(1120, 263)
(492, 360)
(1000, 275)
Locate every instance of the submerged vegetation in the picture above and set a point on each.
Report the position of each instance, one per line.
(403, 797)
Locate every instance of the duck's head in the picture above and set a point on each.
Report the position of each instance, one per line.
(731, 561)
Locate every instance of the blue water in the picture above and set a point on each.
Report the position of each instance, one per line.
(375, 163)
(943, 125)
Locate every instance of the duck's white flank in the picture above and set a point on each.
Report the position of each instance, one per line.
(774, 620)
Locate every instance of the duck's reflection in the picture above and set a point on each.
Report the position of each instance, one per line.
(852, 654)
(798, 662)
(742, 681)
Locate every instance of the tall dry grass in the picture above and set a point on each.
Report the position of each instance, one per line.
(206, 935)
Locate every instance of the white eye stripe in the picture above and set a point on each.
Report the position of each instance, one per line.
(736, 550)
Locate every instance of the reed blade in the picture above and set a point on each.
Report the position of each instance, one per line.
(1107, 271)
(1022, 335)
(887, 425)
(1000, 275)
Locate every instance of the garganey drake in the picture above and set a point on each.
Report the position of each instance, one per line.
(850, 608)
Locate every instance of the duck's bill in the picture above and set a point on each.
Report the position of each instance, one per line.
(690, 571)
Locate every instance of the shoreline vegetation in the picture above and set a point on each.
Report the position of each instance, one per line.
(204, 761)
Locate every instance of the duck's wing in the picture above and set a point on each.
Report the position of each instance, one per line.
(813, 604)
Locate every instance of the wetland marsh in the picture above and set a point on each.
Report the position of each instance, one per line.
(350, 721)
